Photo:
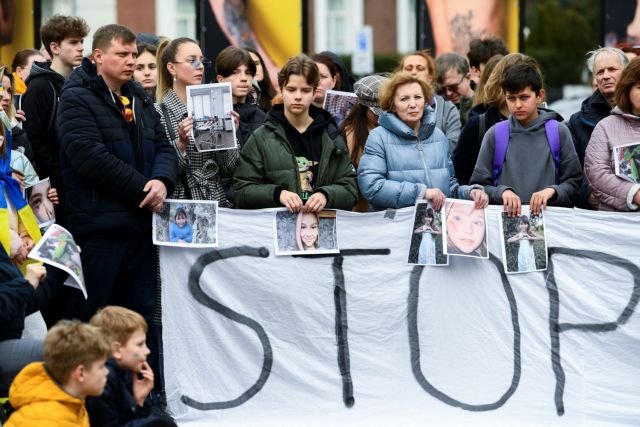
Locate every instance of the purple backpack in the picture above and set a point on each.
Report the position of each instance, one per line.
(502, 143)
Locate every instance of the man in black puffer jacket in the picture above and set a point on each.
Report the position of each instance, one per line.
(117, 167)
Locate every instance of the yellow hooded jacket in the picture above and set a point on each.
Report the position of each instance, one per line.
(40, 402)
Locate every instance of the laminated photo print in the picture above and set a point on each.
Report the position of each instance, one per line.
(339, 103)
(211, 105)
(58, 248)
(524, 245)
(305, 233)
(37, 196)
(627, 161)
(465, 229)
(426, 242)
(186, 224)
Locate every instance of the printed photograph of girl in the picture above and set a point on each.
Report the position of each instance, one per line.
(426, 238)
(524, 247)
(186, 223)
(42, 206)
(306, 233)
(465, 229)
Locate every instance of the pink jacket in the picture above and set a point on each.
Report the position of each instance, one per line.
(610, 192)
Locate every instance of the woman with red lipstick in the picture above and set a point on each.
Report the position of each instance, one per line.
(200, 174)
(297, 158)
(406, 158)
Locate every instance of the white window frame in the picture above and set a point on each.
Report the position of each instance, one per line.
(406, 25)
(354, 9)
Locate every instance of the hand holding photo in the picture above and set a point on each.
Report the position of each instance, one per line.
(627, 161)
(339, 103)
(37, 196)
(211, 107)
(57, 248)
(465, 229)
(306, 233)
(524, 246)
(186, 223)
(426, 247)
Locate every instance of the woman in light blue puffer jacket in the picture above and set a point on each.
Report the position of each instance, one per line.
(406, 158)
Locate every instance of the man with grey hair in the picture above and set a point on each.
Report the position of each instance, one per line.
(454, 83)
(606, 65)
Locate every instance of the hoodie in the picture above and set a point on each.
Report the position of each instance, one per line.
(529, 165)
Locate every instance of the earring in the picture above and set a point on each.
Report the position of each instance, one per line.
(174, 77)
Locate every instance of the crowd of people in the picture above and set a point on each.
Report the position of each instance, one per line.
(112, 133)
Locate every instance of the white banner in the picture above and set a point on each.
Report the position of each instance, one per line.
(364, 339)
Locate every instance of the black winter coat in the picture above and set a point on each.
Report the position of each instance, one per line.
(106, 162)
(581, 125)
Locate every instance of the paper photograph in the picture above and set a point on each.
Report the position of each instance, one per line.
(57, 248)
(465, 229)
(339, 103)
(37, 196)
(211, 105)
(627, 161)
(426, 246)
(524, 246)
(186, 223)
(306, 233)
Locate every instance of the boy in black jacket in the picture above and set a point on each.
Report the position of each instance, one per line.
(125, 399)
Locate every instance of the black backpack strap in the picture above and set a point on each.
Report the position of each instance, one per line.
(482, 127)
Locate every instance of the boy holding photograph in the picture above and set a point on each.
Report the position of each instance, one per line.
(532, 160)
(124, 401)
(299, 143)
(54, 392)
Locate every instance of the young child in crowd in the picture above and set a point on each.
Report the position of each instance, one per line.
(180, 230)
(529, 173)
(268, 174)
(54, 392)
(125, 401)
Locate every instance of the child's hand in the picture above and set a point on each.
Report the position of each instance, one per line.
(511, 203)
(53, 196)
(316, 202)
(480, 197)
(28, 243)
(18, 177)
(142, 387)
(539, 199)
(181, 241)
(291, 201)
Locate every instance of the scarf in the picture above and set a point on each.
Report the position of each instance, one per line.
(10, 188)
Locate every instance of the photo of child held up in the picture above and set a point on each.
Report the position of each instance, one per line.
(41, 197)
(465, 229)
(524, 247)
(186, 223)
(305, 233)
(426, 243)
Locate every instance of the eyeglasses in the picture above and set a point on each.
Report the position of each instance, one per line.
(196, 62)
(453, 87)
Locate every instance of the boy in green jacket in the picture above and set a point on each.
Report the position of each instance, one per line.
(297, 158)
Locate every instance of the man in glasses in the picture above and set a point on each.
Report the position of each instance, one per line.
(453, 79)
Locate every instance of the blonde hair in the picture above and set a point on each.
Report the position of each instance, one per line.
(71, 343)
(388, 90)
(492, 93)
(167, 51)
(118, 323)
